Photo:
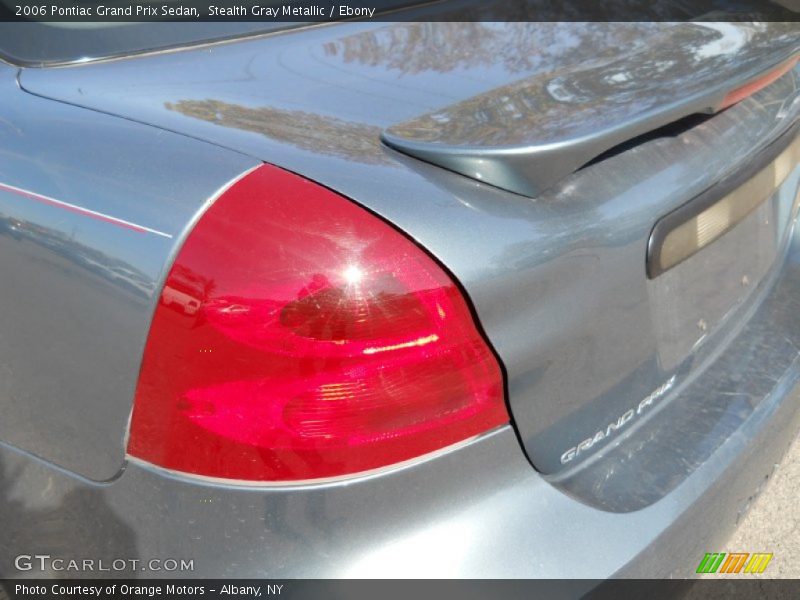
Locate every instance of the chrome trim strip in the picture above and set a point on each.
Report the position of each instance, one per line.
(323, 481)
(81, 210)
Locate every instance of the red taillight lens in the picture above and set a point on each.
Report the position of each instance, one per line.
(300, 337)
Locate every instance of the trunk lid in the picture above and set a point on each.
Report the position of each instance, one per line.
(558, 280)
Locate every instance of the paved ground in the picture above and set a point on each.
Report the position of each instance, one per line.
(773, 523)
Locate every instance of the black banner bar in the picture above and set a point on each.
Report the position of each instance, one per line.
(248, 589)
(322, 11)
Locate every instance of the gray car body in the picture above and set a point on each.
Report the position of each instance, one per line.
(557, 281)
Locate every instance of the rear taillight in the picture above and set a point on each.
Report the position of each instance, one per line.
(300, 337)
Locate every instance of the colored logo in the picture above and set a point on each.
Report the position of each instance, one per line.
(734, 562)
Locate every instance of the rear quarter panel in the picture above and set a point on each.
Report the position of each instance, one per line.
(79, 276)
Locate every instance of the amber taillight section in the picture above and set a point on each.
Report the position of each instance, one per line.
(300, 337)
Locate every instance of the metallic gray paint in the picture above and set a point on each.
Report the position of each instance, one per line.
(746, 354)
(558, 283)
(78, 289)
(581, 245)
(478, 512)
(530, 134)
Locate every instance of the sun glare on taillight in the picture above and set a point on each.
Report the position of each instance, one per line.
(300, 337)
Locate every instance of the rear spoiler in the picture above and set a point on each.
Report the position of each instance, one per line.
(527, 136)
